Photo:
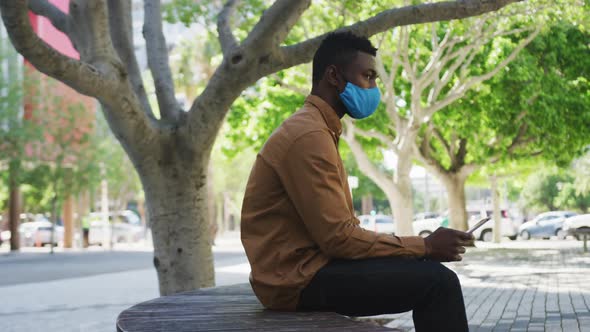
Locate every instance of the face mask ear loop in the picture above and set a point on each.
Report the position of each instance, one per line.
(345, 80)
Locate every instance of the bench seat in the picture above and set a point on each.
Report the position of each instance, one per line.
(229, 308)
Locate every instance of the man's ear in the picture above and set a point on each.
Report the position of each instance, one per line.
(331, 75)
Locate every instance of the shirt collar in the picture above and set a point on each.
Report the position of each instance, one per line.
(328, 113)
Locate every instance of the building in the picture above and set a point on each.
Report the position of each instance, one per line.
(42, 100)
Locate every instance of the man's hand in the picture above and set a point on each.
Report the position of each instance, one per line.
(447, 245)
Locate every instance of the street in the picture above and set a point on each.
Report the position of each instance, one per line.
(36, 267)
(85, 291)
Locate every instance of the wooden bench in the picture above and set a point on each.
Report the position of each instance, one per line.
(229, 308)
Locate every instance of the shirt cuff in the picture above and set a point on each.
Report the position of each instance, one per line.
(415, 244)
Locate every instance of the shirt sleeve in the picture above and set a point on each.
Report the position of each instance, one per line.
(311, 176)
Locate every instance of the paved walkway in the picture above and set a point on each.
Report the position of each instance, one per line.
(87, 301)
(512, 286)
(522, 286)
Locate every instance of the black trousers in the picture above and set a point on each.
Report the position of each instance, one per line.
(389, 285)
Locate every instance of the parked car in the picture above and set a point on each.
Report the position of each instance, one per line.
(4, 236)
(426, 215)
(2, 231)
(545, 225)
(378, 223)
(126, 227)
(426, 223)
(38, 233)
(575, 223)
(509, 227)
(34, 230)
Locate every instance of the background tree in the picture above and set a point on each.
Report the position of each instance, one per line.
(570, 197)
(581, 169)
(542, 189)
(65, 153)
(538, 106)
(16, 133)
(171, 153)
(424, 69)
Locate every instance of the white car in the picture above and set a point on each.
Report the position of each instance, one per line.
(509, 227)
(38, 233)
(125, 226)
(575, 223)
(378, 223)
(4, 236)
(426, 226)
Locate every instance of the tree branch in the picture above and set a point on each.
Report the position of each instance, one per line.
(434, 65)
(363, 161)
(81, 76)
(462, 152)
(384, 139)
(404, 56)
(442, 140)
(423, 13)
(465, 66)
(227, 40)
(518, 141)
(447, 57)
(459, 89)
(389, 97)
(100, 74)
(60, 20)
(465, 170)
(241, 69)
(121, 27)
(275, 24)
(424, 154)
(157, 55)
(478, 79)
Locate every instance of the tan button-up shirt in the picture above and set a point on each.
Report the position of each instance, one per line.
(297, 212)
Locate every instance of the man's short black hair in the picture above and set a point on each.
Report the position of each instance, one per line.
(339, 48)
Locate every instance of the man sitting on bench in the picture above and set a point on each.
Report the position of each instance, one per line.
(304, 244)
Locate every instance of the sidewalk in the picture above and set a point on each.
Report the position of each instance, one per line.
(522, 286)
(92, 303)
(512, 286)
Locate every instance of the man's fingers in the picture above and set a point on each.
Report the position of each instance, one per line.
(470, 243)
(465, 236)
(461, 250)
(466, 243)
(458, 258)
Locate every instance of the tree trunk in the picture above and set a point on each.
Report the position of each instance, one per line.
(367, 204)
(403, 204)
(212, 211)
(68, 220)
(176, 202)
(53, 217)
(455, 186)
(83, 211)
(13, 207)
(402, 213)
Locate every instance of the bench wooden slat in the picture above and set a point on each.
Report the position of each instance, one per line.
(229, 308)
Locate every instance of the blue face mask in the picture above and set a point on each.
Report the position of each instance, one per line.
(360, 103)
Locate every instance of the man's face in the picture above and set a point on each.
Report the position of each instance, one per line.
(361, 72)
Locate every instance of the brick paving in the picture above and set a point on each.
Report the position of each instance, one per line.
(522, 286)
